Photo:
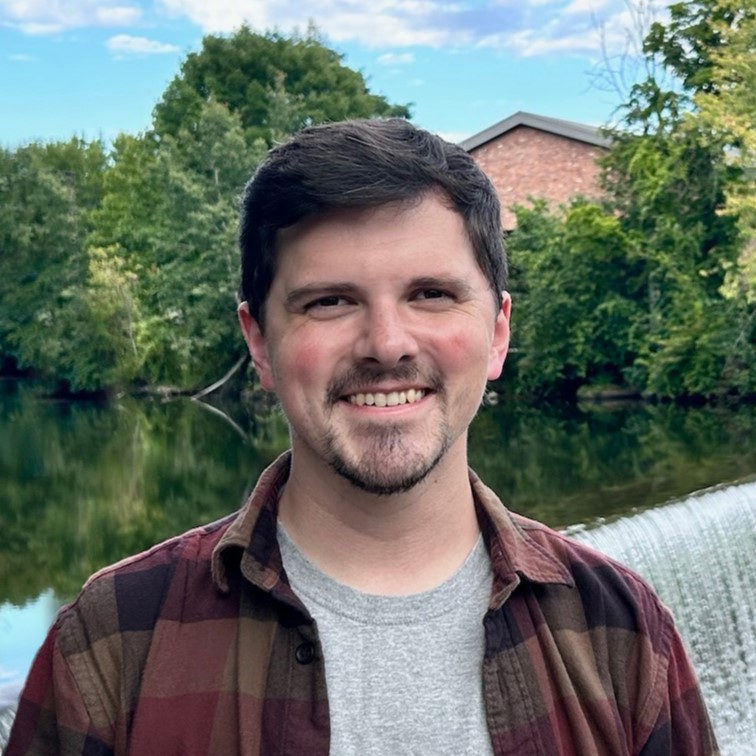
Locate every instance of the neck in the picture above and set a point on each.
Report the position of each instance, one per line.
(391, 545)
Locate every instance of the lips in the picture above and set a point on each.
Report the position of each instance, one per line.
(389, 399)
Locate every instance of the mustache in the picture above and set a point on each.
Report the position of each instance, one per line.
(357, 378)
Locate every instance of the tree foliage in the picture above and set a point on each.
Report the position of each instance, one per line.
(47, 194)
(728, 111)
(575, 291)
(165, 235)
(696, 33)
(275, 84)
(668, 187)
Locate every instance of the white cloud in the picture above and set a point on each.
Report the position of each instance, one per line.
(222, 15)
(577, 7)
(125, 44)
(396, 59)
(521, 4)
(37, 29)
(382, 23)
(574, 44)
(526, 28)
(118, 15)
(50, 16)
(528, 43)
(21, 57)
(581, 27)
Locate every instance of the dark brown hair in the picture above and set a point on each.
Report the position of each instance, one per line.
(355, 164)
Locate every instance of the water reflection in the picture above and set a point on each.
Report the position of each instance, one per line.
(85, 484)
(22, 630)
(564, 465)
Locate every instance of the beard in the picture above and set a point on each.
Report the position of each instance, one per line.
(390, 461)
(387, 466)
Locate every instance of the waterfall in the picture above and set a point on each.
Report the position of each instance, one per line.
(700, 556)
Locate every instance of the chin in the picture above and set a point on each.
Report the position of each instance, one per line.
(374, 474)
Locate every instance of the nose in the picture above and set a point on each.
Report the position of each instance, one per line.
(386, 336)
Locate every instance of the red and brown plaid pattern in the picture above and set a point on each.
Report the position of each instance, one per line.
(199, 646)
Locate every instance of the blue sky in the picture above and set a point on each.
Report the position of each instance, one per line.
(94, 68)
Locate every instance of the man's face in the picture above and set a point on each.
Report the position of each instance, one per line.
(381, 332)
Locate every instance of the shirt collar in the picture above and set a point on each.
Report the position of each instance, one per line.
(250, 544)
(513, 552)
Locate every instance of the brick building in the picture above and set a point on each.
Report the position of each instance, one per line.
(529, 155)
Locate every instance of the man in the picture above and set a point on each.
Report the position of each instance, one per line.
(373, 596)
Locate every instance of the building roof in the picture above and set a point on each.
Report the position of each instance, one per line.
(569, 129)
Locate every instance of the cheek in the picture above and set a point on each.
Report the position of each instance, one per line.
(463, 351)
(309, 362)
(303, 363)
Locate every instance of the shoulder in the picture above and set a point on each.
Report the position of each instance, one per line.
(133, 594)
(577, 587)
(611, 620)
(598, 636)
(611, 594)
(86, 679)
(529, 553)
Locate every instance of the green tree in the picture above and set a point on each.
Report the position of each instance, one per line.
(667, 187)
(728, 109)
(48, 194)
(667, 176)
(164, 249)
(689, 42)
(576, 311)
(275, 84)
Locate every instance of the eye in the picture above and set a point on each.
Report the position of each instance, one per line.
(330, 305)
(333, 300)
(426, 294)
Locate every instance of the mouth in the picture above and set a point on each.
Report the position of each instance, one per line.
(388, 399)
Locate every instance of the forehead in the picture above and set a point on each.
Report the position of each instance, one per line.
(424, 231)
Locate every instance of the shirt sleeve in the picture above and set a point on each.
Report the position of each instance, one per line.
(52, 717)
(682, 726)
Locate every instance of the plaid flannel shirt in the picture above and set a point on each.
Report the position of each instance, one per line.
(199, 646)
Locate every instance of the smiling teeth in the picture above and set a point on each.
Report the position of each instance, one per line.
(392, 399)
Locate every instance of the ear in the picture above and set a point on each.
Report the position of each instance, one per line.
(500, 340)
(258, 350)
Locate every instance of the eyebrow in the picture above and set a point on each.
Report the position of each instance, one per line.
(459, 286)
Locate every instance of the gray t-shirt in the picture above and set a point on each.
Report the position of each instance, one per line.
(403, 672)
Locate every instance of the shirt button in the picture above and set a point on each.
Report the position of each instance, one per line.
(305, 653)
